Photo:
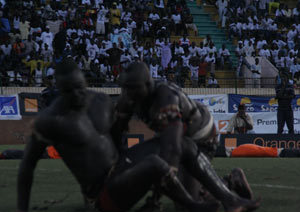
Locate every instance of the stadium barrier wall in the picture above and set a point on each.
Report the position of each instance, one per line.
(228, 142)
(189, 91)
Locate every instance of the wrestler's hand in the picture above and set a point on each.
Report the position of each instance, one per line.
(125, 106)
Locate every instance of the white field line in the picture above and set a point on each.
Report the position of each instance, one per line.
(276, 186)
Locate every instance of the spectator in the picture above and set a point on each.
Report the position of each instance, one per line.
(38, 75)
(47, 37)
(166, 55)
(211, 60)
(24, 28)
(6, 48)
(188, 20)
(202, 73)
(285, 94)
(224, 56)
(222, 7)
(241, 122)
(18, 47)
(114, 59)
(115, 15)
(256, 73)
(176, 17)
(212, 81)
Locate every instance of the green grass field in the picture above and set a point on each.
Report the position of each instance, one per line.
(276, 180)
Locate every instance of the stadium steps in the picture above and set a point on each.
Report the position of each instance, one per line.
(227, 79)
(195, 39)
(205, 19)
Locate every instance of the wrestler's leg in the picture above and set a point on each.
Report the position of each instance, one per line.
(236, 181)
(131, 185)
(199, 166)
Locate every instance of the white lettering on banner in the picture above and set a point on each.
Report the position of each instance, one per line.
(10, 108)
(264, 122)
(7, 109)
(265, 108)
(249, 108)
(215, 103)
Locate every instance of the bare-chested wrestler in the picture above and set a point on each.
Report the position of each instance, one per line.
(185, 130)
(78, 122)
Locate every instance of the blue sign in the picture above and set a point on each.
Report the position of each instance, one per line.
(257, 103)
(9, 108)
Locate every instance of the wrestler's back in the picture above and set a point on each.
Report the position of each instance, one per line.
(81, 136)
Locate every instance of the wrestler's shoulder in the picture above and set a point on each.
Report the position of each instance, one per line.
(166, 87)
(99, 96)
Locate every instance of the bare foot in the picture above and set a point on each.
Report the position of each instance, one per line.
(243, 205)
(212, 206)
(238, 183)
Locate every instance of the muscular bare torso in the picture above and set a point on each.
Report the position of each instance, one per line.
(81, 136)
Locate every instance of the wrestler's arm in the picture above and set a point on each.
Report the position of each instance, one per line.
(123, 112)
(32, 154)
(167, 117)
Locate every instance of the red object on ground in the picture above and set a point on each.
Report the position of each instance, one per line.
(252, 150)
(53, 153)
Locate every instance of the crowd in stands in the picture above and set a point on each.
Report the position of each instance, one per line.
(264, 28)
(103, 37)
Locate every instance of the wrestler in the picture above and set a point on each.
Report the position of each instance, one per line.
(185, 129)
(78, 125)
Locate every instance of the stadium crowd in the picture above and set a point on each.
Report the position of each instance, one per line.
(105, 36)
(267, 29)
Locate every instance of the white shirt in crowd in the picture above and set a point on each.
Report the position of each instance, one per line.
(160, 4)
(178, 51)
(131, 26)
(47, 37)
(154, 70)
(224, 52)
(105, 69)
(212, 81)
(202, 51)
(125, 60)
(289, 61)
(194, 72)
(248, 50)
(6, 49)
(261, 43)
(256, 68)
(154, 16)
(280, 43)
(88, 2)
(185, 60)
(92, 50)
(38, 77)
(183, 41)
(265, 53)
(209, 59)
(280, 62)
(176, 18)
(50, 71)
(70, 31)
(291, 35)
(274, 53)
(193, 51)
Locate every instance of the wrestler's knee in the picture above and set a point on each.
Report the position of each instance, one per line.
(157, 164)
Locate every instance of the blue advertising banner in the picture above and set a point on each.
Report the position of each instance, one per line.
(9, 108)
(257, 103)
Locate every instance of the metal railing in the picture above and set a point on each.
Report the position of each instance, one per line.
(247, 86)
